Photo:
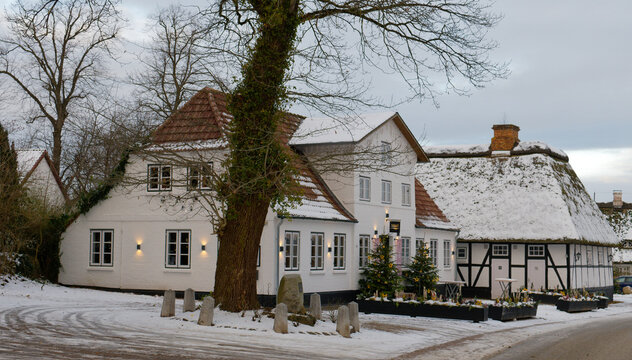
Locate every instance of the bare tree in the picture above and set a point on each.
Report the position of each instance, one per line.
(175, 64)
(54, 53)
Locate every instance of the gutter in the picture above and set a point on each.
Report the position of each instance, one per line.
(277, 239)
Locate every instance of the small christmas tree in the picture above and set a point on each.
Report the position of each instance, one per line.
(421, 273)
(380, 275)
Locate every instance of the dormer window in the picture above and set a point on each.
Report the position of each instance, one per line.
(159, 178)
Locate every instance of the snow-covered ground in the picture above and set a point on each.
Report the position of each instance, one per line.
(53, 321)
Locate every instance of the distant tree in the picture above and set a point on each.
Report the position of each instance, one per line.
(380, 274)
(11, 198)
(54, 54)
(421, 273)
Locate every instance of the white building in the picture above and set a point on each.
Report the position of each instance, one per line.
(142, 238)
(619, 215)
(522, 213)
(38, 174)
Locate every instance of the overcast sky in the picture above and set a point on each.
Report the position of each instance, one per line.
(570, 86)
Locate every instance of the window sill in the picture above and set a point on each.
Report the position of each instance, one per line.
(317, 272)
(365, 200)
(184, 271)
(340, 271)
(100, 268)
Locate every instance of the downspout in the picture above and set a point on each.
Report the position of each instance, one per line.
(277, 239)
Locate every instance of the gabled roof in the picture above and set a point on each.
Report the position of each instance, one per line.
(531, 197)
(29, 160)
(351, 130)
(482, 150)
(199, 125)
(428, 214)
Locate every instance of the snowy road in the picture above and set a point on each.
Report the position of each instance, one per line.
(55, 322)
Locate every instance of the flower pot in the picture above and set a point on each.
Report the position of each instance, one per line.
(572, 306)
(460, 312)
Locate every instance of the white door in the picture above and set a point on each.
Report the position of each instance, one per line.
(500, 269)
(535, 274)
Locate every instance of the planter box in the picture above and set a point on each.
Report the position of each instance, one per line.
(577, 306)
(475, 314)
(507, 313)
(602, 303)
(544, 298)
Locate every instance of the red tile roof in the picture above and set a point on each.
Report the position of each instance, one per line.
(427, 212)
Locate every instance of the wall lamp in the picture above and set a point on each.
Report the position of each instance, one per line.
(374, 232)
(329, 249)
(578, 256)
(137, 246)
(203, 247)
(280, 248)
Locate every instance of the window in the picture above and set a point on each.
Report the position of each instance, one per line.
(101, 247)
(259, 256)
(433, 251)
(365, 188)
(406, 194)
(536, 250)
(291, 250)
(317, 251)
(405, 251)
(178, 249)
(364, 249)
(500, 250)
(447, 254)
(386, 191)
(339, 251)
(159, 177)
(419, 243)
(461, 252)
(199, 177)
(600, 259)
(386, 153)
(589, 256)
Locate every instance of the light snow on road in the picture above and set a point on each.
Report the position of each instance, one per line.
(59, 322)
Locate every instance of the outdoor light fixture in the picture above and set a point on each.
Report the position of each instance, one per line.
(137, 246)
(609, 258)
(280, 248)
(329, 249)
(578, 256)
(452, 252)
(203, 247)
(375, 232)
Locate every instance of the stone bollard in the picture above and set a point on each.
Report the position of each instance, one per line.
(189, 300)
(168, 304)
(206, 311)
(314, 306)
(354, 317)
(342, 321)
(280, 319)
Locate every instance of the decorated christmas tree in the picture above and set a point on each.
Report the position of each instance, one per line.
(380, 274)
(421, 273)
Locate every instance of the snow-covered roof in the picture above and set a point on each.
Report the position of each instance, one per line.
(533, 197)
(622, 255)
(317, 130)
(194, 145)
(522, 148)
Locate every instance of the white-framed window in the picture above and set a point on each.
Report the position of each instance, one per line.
(386, 191)
(405, 250)
(317, 251)
(363, 250)
(101, 242)
(159, 177)
(339, 251)
(178, 249)
(406, 194)
(291, 249)
(433, 251)
(461, 252)
(419, 243)
(600, 257)
(447, 254)
(385, 150)
(500, 250)
(199, 178)
(536, 250)
(365, 188)
(589, 256)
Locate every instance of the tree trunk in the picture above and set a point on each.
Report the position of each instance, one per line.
(258, 161)
(57, 148)
(236, 274)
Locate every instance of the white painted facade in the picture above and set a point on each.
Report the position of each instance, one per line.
(140, 219)
(34, 168)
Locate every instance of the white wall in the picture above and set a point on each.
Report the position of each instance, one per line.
(42, 184)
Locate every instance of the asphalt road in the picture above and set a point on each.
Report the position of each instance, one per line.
(603, 339)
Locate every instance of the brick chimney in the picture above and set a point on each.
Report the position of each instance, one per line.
(505, 137)
(617, 199)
